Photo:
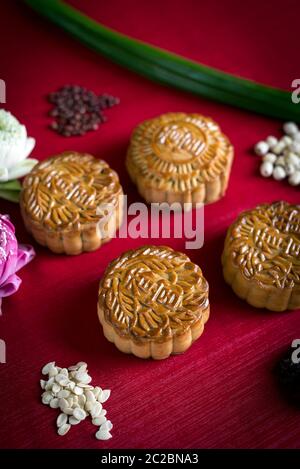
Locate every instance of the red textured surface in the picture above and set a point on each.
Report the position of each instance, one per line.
(221, 393)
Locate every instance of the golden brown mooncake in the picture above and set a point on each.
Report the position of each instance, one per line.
(63, 200)
(261, 257)
(178, 157)
(153, 302)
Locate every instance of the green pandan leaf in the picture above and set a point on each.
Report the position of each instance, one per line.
(11, 195)
(168, 68)
(13, 185)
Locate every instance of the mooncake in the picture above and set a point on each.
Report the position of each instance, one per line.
(177, 157)
(261, 257)
(72, 203)
(153, 302)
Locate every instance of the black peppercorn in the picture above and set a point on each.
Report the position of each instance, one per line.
(78, 110)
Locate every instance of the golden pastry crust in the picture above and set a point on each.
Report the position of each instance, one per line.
(153, 302)
(181, 158)
(261, 257)
(63, 200)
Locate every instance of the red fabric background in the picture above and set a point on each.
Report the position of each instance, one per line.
(221, 393)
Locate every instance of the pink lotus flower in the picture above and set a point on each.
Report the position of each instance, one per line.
(13, 257)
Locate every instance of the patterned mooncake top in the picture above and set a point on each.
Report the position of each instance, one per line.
(153, 292)
(265, 244)
(66, 191)
(178, 152)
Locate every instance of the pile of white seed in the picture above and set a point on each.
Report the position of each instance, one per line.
(69, 390)
(281, 157)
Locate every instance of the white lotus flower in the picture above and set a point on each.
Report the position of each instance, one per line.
(15, 147)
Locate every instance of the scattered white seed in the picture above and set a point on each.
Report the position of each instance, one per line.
(106, 426)
(56, 388)
(81, 400)
(82, 368)
(79, 364)
(278, 148)
(280, 161)
(61, 420)
(290, 128)
(68, 411)
(53, 371)
(43, 383)
(46, 398)
(62, 380)
(292, 158)
(283, 160)
(79, 414)
(73, 420)
(70, 391)
(295, 147)
(54, 403)
(279, 173)
(63, 393)
(71, 385)
(64, 407)
(88, 406)
(270, 157)
(294, 178)
(99, 420)
(104, 396)
(46, 368)
(73, 368)
(83, 377)
(96, 391)
(261, 148)
(63, 403)
(49, 384)
(100, 435)
(271, 141)
(90, 396)
(70, 401)
(85, 386)
(63, 430)
(286, 140)
(78, 390)
(289, 169)
(96, 409)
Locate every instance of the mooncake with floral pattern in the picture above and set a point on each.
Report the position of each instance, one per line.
(153, 302)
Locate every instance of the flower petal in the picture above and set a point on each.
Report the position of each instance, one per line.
(3, 174)
(22, 168)
(4, 149)
(10, 286)
(30, 144)
(15, 152)
(25, 254)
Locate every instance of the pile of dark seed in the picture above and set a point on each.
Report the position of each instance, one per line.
(78, 110)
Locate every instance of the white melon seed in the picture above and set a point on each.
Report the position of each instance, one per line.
(61, 420)
(103, 435)
(63, 430)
